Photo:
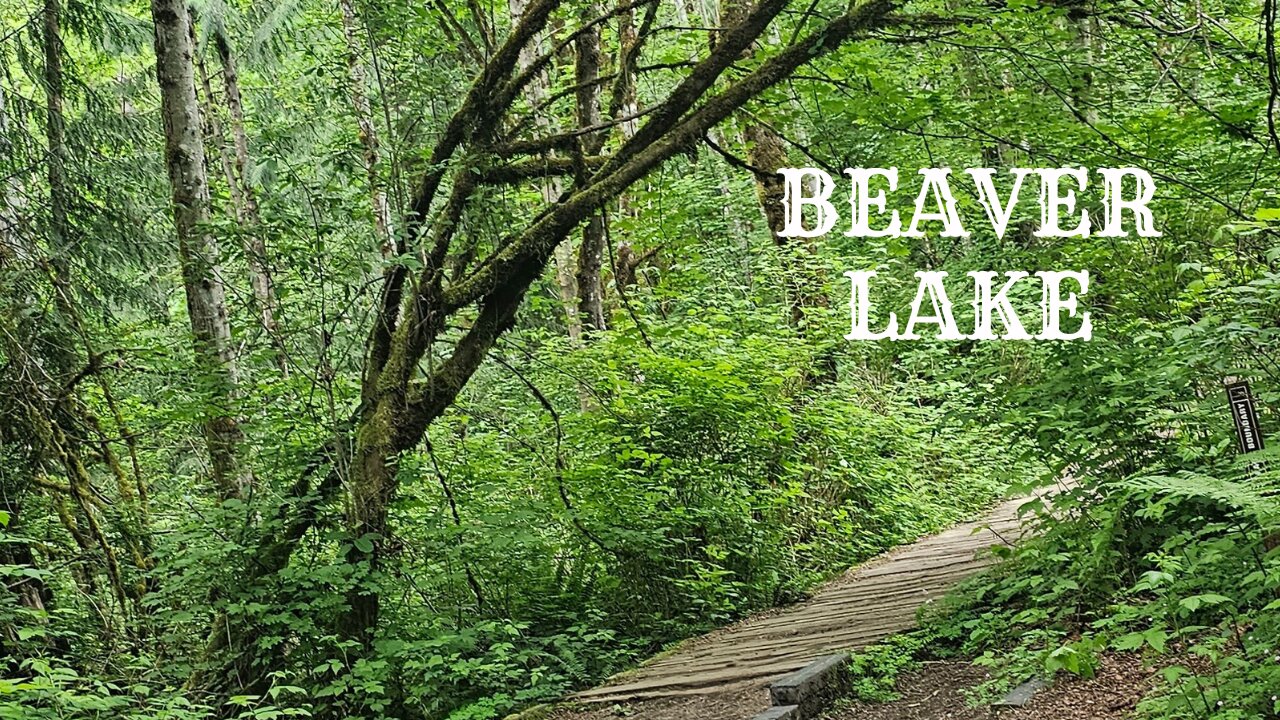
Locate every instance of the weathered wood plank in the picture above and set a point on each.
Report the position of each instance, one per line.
(865, 605)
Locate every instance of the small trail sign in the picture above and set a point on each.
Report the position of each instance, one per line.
(1245, 415)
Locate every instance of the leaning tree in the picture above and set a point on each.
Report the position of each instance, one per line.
(446, 298)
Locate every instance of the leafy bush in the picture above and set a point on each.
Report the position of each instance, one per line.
(1181, 567)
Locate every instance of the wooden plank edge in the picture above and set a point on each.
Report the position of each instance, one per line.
(811, 688)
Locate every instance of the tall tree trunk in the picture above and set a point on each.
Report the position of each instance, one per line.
(1084, 31)
(213, 134)
(766, 153)
(536, 93)
(255, 246)
(368, 132)
(235, 110)
(55, 129)
(623, 104)
(12, 200)
(197, 247)
(374, 470)
(591, 252)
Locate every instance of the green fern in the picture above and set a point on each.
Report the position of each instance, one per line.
(1250, 486)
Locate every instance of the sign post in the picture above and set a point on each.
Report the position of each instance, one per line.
(1245, 415)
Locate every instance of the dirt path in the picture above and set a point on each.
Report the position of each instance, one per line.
(937, 692)
(724, 675)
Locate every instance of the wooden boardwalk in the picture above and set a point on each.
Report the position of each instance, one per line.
(866, 604)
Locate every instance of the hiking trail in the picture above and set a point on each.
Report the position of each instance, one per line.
(724, 675)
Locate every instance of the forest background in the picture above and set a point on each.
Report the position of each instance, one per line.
(432, 359)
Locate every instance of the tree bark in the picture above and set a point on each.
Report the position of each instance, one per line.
(536, 94)
(55, 130)
(1084, 30)
(766, 153)
(255, 246)
(624, 103)
(591, 251)
(197, 247)
(239, 138)
(368, 132)
(10, 193)
(213, 134)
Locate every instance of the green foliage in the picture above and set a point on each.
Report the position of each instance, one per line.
(874, 670)
(587, 502)
(687, 494)
(1174, 567)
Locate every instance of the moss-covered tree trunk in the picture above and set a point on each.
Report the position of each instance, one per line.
(454, 319)
(591, 251)
(197, 247)
(536, 92)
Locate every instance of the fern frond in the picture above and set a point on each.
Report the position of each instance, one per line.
(1251, 486)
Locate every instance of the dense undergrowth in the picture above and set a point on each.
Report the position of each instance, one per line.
(1181, 568)
(711, 446)
(1168, 545)
(541, 552)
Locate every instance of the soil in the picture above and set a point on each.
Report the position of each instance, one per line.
(936, 692)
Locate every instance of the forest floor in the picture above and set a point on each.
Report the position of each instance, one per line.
(724, 675)
(938, 690)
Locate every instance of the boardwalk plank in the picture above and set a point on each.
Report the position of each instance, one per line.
(867, 604)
